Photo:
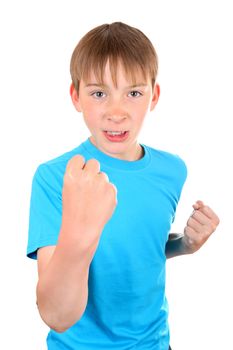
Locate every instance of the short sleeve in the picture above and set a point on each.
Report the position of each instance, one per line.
(180, 179)
(45, 210)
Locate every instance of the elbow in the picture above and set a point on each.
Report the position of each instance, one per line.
(59, 323)
(58, 328)
(61, 326)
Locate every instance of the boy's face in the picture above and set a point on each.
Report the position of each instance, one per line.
(107, 109)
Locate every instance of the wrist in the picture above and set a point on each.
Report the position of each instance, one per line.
(79, 241)
(188, 245)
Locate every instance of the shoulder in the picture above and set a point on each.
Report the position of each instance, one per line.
(52, 171)
(165, 156)
(167, 162)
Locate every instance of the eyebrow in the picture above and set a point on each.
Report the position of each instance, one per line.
(104, 86)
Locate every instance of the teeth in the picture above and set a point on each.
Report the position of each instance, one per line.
(115, 132)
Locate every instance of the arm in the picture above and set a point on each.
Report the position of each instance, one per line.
(201, 224)
(62, 289)
(175, 246)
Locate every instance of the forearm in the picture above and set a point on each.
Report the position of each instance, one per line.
(176, 246)
(62, 289)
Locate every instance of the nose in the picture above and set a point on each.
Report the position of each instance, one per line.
(116, 113)
(117, 117)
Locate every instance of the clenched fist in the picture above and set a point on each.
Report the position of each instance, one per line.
(200, 226)
(88, 198)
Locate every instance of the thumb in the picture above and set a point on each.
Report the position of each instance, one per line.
(198, 205)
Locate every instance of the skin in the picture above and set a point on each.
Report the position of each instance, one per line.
(63, 269)
(200, 226)
(110, 108)
(115, 109)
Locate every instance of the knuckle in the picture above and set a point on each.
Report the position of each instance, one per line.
(92, 166)
(193, 217)
(76, 162)
(77, 159)
(111, 189)
(207, 231)
(103, 176)
(93, 162)
(217, 221)
(213, 226)
(197, 214)
(190, 221)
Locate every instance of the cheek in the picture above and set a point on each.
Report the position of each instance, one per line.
(141, 111)
(91, 116)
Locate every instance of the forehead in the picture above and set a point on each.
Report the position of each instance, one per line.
(116, 73)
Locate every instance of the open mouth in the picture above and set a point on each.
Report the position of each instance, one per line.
(116, 136)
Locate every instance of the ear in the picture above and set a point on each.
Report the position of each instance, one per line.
(75, 98)
(155, 97)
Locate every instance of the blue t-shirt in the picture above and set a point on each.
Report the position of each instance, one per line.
(127, 306)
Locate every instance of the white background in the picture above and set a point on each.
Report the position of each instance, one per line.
(38, 122)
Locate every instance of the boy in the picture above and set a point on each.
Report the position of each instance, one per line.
(100, 214)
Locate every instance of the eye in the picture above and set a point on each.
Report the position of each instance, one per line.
(135, 93)
(98, 94)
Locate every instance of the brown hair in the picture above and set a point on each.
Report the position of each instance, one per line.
(116, 42)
